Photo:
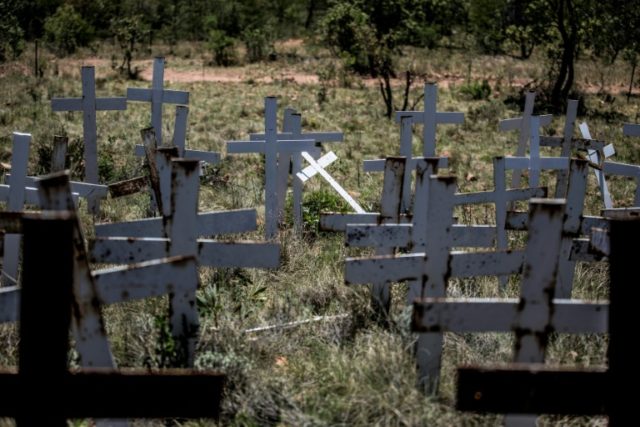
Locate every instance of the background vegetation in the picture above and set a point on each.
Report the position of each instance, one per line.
(344, 65)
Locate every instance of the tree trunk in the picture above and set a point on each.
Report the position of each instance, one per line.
(564, 79)
(633, 72)
(387, 94)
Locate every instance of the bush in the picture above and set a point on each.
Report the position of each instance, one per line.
(476, 91)
(65, 30)
(223, 47)
(11, 38)
(259, 44)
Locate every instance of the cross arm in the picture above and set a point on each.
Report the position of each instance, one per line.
(139, 94)
(516, 123)
(122, 393)
(377, 165)
(209, 224)
(316, 136)
(399, 235)
(289, 146)
(532, 389)
(577, 143)
(66, 104)
(175, 97)
(146, 280)
(104, 104)
(481, 197)
(339, 221)
(82, 188)
(446, 117)
(502, 315)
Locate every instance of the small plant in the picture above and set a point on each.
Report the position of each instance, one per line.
(476, 91)
(317, 202)
(223, 47)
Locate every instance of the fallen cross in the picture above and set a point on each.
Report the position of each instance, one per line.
(89, 105)
(49, 246)
(597, 156)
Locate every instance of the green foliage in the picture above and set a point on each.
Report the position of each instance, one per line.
(129, 32)
(259, 43)
(66, 30)
(487, 23)
(476, 91)
(11, 34)
(317, 202)
(223, 48)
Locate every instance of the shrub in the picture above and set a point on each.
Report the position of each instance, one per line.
(66, 30)
(223, 47)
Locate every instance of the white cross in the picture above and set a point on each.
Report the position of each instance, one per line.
(523, 126)
(177, 277)
(20, 191)
(157, 96)
(596, 156)
(179, 140)
(271, 146)
(89, 104)
(406, 150)
(430, 118)
(207, 224)
(292, 129)
(181, 235)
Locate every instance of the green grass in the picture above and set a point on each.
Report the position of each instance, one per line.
(340, 372)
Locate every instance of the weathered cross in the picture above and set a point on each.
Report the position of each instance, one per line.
(535, 314)
(179, 141)
(158, 96)
(178, 278)
(523, 125)
(537, 389)
(181, 233)
(406, 150)
(207, 224)
(271, 147)
(89, 104)
(43, 371)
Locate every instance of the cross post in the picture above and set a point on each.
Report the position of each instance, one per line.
(89, 104)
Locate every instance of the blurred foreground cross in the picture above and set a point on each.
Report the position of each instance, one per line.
(43, 371)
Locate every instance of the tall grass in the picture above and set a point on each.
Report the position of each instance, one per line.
(348, 370)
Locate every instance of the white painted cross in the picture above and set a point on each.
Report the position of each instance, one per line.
(176, 276)
(19, 192)
(430, 118)
(523, 126)
(89, 104)
(574, 224)
(271, 146)
(292, 129)
(406, 150)
(597, 157)
(534, 315)
(181, 234)
(179, 141)
(207, 224)
(157, 96)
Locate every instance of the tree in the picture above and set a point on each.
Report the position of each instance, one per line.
(368, 35)
(66, 30)
(11, 34)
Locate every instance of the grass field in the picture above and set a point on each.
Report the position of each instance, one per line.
(345, 370)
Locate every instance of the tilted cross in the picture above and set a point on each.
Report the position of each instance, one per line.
(43, 371)
(597, 156)
(89, 104)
